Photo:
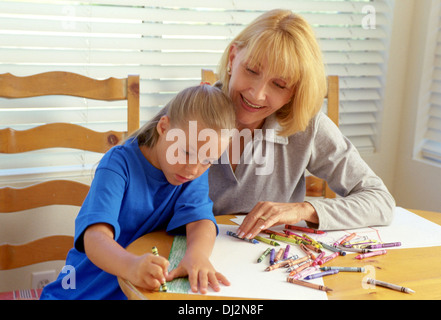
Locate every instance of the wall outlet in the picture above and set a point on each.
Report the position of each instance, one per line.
(42, 278)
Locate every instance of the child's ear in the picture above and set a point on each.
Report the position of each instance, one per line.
(163, 125)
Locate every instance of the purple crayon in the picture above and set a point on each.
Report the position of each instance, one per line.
(286, 252)
(320, 274)
(384, 245)
(272, 256)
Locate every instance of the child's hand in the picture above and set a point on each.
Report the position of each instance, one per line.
(149, 271)
(200, 271)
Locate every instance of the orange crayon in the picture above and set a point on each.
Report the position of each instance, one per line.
(308, 284)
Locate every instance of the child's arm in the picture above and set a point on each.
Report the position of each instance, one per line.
(195, 263)
(146, 271)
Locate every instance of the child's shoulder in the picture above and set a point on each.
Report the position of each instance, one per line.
(118, 155)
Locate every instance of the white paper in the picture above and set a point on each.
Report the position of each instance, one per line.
(237, 260)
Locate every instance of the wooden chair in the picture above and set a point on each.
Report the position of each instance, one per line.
(57, 135)
(315, 187)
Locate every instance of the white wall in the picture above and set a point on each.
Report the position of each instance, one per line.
(415, 184)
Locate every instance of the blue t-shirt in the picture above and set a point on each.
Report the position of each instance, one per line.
(135, 198)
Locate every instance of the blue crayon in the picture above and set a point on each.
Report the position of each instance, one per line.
(236, 236)
(320, 274)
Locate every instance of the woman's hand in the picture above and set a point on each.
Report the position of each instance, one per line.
(266, 214)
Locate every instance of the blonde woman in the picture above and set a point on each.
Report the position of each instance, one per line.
(274, 73)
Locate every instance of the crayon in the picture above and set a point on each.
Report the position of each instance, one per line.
(294, 235)
(333, 249)
(354, 250)
(285, 239)
(320, 274)
(308, 284)
(304, 249)
(282, 263)
(389, 285)
(286, 252)
(344, 269)
(309, 230)
(267, 231)
(318, 259)
(268, 241)
(347, 238)
(278, 255)
(297, 261)
(163, 286)
(300, 268)
(384, 245)
(314, 248)
(328, 258)
(336, 243)
(236, 236)
(371, 254)
(272, 256)
(264, 254)
(305, 272)
(313, 242)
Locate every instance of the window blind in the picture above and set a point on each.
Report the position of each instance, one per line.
(431, 144)
(167, 42)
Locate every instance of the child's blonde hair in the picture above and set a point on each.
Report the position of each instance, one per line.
(206, 104)
(288, 43)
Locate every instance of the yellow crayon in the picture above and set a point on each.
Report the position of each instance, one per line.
(163, 285)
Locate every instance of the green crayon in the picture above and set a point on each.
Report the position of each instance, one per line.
(271, 242)
(267, 251)
(285, 239)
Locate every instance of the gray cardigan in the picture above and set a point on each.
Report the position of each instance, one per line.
(323, 151)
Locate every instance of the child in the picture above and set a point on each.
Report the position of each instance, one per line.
(150, 182)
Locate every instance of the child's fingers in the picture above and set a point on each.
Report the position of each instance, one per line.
(213, 280)
(162, 263)
(203, 281)
(193, 279)
(222, 279)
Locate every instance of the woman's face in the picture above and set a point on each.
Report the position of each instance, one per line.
(255, 93)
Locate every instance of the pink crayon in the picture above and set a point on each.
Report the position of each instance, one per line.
(329, 258)
(371, 254)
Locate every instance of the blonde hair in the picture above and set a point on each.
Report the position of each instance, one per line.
(204, 103)
(288, 43)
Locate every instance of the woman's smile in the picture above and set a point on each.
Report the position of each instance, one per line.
(254, 107)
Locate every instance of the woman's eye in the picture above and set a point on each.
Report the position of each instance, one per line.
(251, 71)
(281, 86)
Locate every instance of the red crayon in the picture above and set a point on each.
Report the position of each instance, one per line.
(291, 227)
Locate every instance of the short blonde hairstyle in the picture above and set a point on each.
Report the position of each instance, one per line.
(288, 43)
(208, 105)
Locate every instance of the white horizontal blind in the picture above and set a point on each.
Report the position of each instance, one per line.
(431, 145)
(167, 42)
